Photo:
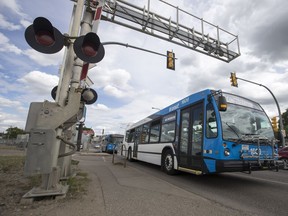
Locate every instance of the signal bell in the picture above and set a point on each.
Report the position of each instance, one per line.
(89, 96)
(89, 48)
(43, 37)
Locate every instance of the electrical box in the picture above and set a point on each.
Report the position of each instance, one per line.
(41, 152)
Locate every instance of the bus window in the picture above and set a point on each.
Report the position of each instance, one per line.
(167, 132)
(137, 134)
(127, 136)
(211, 125)
(155, 131)
(145, 134)
(168, 128)
(131, 135)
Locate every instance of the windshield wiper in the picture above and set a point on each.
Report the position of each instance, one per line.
(233, 129)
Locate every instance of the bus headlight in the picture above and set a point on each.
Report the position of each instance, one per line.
(227, 152)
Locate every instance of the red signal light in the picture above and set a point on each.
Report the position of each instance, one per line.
(43, 37)
(89, 48)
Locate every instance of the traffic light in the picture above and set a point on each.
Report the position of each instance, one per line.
(170, 60)
(233, 80)
(89, 48)
(274, 124)
(43, 37)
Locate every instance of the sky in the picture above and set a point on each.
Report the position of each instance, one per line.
(130, 82)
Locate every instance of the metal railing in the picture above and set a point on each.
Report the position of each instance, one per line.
(122, 155)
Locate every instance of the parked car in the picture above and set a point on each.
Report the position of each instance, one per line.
(97, 147)
(110, 147)
(283, 155)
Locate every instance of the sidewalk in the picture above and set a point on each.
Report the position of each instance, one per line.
(119, 191)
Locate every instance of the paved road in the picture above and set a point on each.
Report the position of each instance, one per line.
(262, 192)
(143, 190)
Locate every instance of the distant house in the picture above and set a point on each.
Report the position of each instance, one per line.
(88, 132)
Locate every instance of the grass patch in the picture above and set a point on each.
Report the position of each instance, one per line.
(11, 163)
(12, 176)
(78, 185)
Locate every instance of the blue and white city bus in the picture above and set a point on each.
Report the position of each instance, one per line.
(206, 132)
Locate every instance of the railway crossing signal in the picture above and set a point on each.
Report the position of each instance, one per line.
(89, 48)
(89, 96)
(43, 37)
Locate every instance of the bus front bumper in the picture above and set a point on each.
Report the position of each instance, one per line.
(246, 165)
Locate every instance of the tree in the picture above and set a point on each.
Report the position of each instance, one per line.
(12, 132)
(285, 121)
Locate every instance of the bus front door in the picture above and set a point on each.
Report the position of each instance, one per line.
(191, 137)
(135, 148)
(136, 141)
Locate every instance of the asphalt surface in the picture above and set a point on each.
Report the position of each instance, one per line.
(118, 190)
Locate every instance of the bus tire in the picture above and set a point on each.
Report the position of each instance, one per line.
(168, 162)
(129, 156)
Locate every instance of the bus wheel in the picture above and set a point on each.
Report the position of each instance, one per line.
(168, 162)
(129, 156)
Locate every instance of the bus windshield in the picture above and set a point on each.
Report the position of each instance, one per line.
(116, 140)
(244, 118)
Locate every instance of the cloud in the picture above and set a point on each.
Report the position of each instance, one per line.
(114, 82)
(4, 24)
(13, 6)
(44, 59)
(6, 46)
(100, 107)
(40, 82)
(261, 25)
(5, 102)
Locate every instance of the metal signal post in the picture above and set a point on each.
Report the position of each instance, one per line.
(50, 123)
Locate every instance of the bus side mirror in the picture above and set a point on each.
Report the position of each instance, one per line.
(222, 103)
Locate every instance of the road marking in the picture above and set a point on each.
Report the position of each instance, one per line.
(261, 179)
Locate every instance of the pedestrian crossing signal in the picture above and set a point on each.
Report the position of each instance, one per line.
(170, 60)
